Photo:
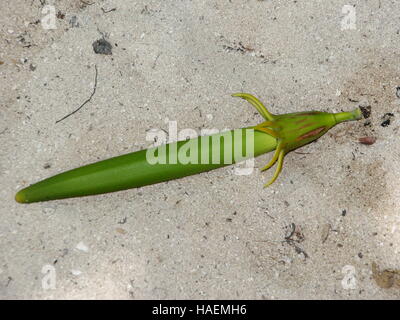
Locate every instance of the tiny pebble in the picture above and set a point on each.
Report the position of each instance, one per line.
(121, 231)
(76, 272)
(367, 140)
(82, 247)
(102, 46)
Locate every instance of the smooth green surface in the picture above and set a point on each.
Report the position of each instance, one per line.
(130, 171)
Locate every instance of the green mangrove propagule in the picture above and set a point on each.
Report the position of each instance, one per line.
(282, 133)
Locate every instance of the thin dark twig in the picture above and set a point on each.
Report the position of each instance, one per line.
(155, 61)
(86, 101)
(107, 11)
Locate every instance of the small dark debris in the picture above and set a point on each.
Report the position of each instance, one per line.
(340, 245)
(21, 38)
(398, 92)
(123, 221)
(294, 233)
(32, 67)
(301, 251)
(60, 15)
(1, 62)
(145, 10)
(294, 236)
(228, 219)
(387, 117)
(9, 279)
(47, 166)
(102, 46)
(352, 100)
(366, 111)
(367, 123)
(344, 212)
(367, 140)
(286, 203)
(360, 255)
(239, 48)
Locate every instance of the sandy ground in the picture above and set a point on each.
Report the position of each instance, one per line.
(329, 228)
